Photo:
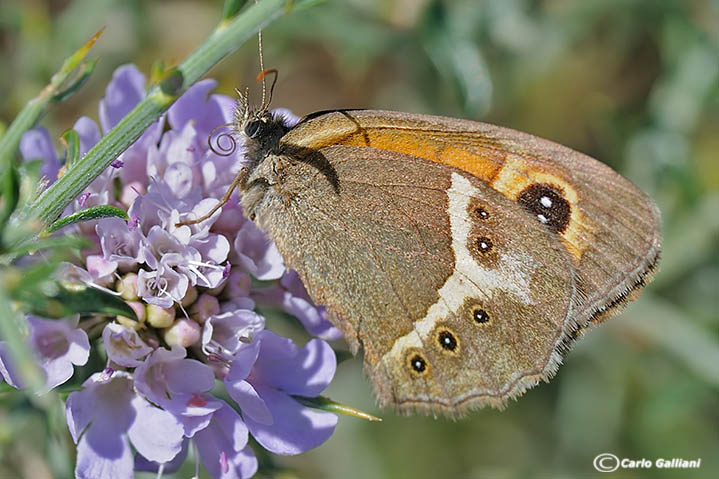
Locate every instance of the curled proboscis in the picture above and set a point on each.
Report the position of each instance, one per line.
(225, 143)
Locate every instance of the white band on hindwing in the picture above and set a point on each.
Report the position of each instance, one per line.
(469, 279)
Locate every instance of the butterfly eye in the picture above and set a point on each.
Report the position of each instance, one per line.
(253, 128)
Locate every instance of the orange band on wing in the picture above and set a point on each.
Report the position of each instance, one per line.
(484, 166)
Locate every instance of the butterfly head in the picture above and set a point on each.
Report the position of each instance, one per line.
(257, 127)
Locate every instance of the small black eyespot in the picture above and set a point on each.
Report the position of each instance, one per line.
(253, 128)
(480, 316)
(484, 244)
(418, 363)
(482, 213)
(447, 340)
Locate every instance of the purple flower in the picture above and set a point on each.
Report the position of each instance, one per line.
(278, 371)
(191, 287)
(178, 385)
(225, 333)
(36, 144)
(257, 254)
(124, 346)
(223, 448)
(106, 416)
(58, 345)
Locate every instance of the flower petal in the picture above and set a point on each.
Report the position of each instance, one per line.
(250, 402)
(295, 428)
(124, 91)
(36, 144)
(155, 433)
(222, 446)
(307, 372)
(102, 458)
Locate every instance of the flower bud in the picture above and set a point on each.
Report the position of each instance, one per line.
(184, 332)
(205, 306)
(139, 309)
(127, 286)
(190, 297)
(160, 317)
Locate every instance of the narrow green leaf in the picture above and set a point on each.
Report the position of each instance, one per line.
(63, 243)
(71, 141)
(232, 8)
(84, 73)
(327, 404)
(93, 213)
(10, 185)
(65, 302)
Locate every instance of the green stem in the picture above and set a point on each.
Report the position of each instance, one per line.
(227, 37)
(51, 93)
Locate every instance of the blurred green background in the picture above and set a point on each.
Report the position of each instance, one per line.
(633, 83)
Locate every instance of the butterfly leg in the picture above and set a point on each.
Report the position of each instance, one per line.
(239, 180)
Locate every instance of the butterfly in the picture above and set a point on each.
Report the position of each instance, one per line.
(463, 258)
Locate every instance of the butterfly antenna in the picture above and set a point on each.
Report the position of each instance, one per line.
(262, 66)
(261, 76)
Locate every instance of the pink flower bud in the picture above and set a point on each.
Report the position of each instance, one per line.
(184, 332)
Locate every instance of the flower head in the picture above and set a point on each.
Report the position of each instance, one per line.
(191, 289)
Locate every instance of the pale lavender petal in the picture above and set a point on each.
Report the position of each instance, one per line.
(88, 132)
(58, 345)
(191, 104)
(308, 373)
(225, 333)
(119, 242)
(168, 379)
(161, 287)
(124, 346)
(124, 91)
(143, 464)
(104, 403)
(274, 348)
(180, 178)
(243, 361)
(221, 446)
(198, 413)
(213, 248)
(36, 144)
(189, 376)
(155, 433)
(101, 456)
(100, 269)
(257, 253)
(295, 429)
(250, 402)
(204, 110)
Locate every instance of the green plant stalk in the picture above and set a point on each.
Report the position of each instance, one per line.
(27, 117)
(226, 38)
